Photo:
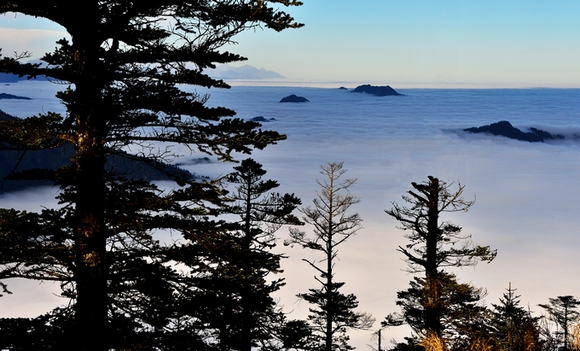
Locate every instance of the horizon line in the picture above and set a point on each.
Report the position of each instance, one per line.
(394, 85)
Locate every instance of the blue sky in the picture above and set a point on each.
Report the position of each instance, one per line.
(446, 43)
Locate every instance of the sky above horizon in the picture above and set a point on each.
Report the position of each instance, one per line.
(421, 43)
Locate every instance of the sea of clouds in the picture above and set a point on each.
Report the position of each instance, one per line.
(526, 193)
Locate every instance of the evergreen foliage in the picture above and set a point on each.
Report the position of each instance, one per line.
(562, 310)
(245, 314)
(436, 305)
(513, 327)
(123, 69)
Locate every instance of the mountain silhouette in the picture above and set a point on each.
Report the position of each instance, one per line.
(505, 128)
(134, 167)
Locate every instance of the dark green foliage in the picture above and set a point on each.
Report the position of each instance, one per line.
(337, 307)
(296, 334)
(46, 332)
(458, 307)
(433, 243)
(410, 344)
(513, 327)
(124, 65)
(562, 310)
(436, 303)
(238, 277)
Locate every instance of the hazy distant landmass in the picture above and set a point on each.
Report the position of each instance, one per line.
(13, 78)
(505, 128)
(376, 90)
(221, 72)
(262, 119)
(243, 72)
(9, 78)
(10, 96)
(131, 166)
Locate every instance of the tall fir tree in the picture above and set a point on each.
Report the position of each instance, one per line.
(124, 65)
(243, 275)
(434, 303)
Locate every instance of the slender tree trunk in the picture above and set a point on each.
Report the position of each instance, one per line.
(329, 251)
(565, 327)
(329, 301)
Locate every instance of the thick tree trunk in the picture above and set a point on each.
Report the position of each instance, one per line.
(433, 303)
(329, 299)
(248, 321)
(90, 235)
(91, 315)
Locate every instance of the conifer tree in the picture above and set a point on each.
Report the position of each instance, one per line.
(513, 327)
(563, 311)
(123, 67)
(244, 280)
(435, 301)
(332, 226)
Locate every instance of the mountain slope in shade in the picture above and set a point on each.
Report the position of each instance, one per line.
(13, 161)
(505, 128)
(131, 166)
(5, 117)
(10, 96)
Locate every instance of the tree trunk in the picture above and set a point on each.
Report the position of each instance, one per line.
(91, 315)
(329, 251)
(247, 320)
(433, 303)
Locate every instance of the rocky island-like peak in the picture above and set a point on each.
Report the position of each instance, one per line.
(506, 129)
(294, 98)
(376, 90)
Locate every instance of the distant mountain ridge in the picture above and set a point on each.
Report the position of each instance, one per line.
(243, 72)
(131, 166)
(10, 97)
(14, 78)
(505, 129)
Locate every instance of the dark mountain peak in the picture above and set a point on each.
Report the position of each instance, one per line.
(294, 98)
(505, 128)
(376, 90)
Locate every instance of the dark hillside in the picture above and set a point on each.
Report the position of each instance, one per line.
(5, 117)
(128, 165)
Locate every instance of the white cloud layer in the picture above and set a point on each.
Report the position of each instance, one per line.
(526, 193)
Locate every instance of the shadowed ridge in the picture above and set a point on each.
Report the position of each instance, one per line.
(505, 128)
